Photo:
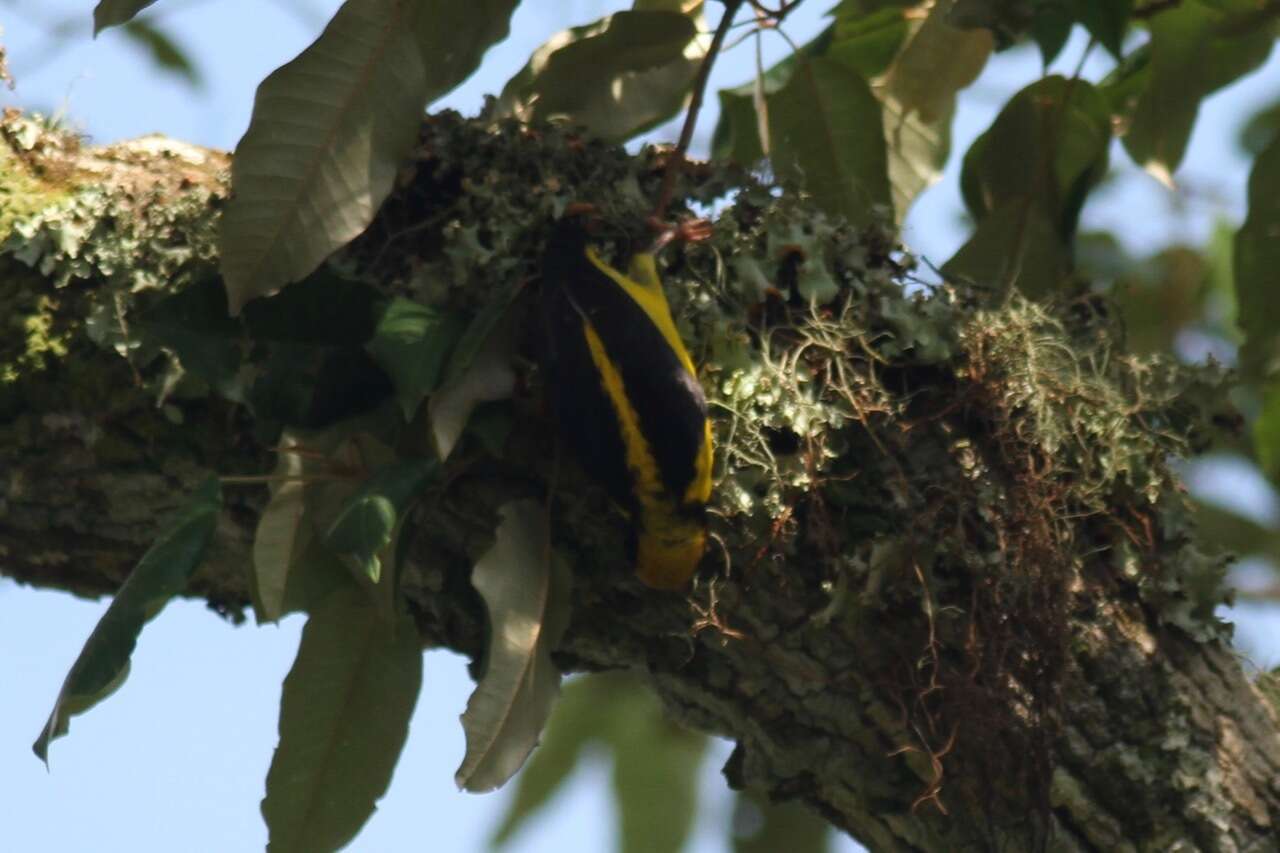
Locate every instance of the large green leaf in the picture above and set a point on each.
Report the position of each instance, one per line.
(1257, 258)
(412, 344)
(292, 570)
(1025, 180)
(1196, 47)
(737, 133)
(111, 13)
(344, 716)
(525, 588)
(161, 574)
(826, 133)
(331, 127)
(919, 97)
(618, 76)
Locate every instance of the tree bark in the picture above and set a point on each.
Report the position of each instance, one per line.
(1058, 696)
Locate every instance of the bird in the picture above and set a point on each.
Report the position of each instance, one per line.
(626, 398)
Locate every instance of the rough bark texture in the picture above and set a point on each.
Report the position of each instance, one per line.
(856, 692)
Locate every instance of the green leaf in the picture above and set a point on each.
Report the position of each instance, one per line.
(582, 716)
(655, 775)
(761, 826)
(1266, 432)
(161, 574)
(330, 129)
(412, 344)
(1050, 27)
(867, 40)
(1197, 46)
(163, 51)
(737, 135)
(826, 133)
(293, 568)
(111, 13)
(1025, 180)
(526, 593)
(344, 716)
(919, 99)
(1257, 257)
(1107, 21)
(618, 77)
(364, 525)
(480, 371)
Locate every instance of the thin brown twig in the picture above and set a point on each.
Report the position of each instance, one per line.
(676, 161)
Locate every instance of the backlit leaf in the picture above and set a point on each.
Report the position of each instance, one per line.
(656, 765)
(618, 76)
(331, 127)
(161, 574)
(1196, 47)
(1025, 180)
(344, 716)
(826, 133)
(526, 593)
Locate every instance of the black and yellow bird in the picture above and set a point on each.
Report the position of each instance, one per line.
(627, 399)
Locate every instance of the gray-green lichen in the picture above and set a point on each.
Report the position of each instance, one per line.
(93, 229)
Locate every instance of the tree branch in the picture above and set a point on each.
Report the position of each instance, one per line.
(921, 609)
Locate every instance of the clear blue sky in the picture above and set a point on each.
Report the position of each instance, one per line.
(176, 759)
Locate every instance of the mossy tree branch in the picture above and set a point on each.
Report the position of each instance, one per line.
(955, 601)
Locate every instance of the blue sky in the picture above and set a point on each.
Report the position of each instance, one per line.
(177, 758)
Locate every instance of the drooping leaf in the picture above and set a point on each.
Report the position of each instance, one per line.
(1025, 180)
(826, 133)
(583, 715)
(365, 523)
(331, 127)
(283, 534)
(412, 344)
(111, 13)
(525, 590)
(1196, 47)
(162, 573)
(618, 77)
(480, 370)
(655, 775)
(1257, 257)
(317, 477)
(761, 826)
(163, 51)
(344, 716)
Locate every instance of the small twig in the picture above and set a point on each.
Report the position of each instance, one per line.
(676, 161)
